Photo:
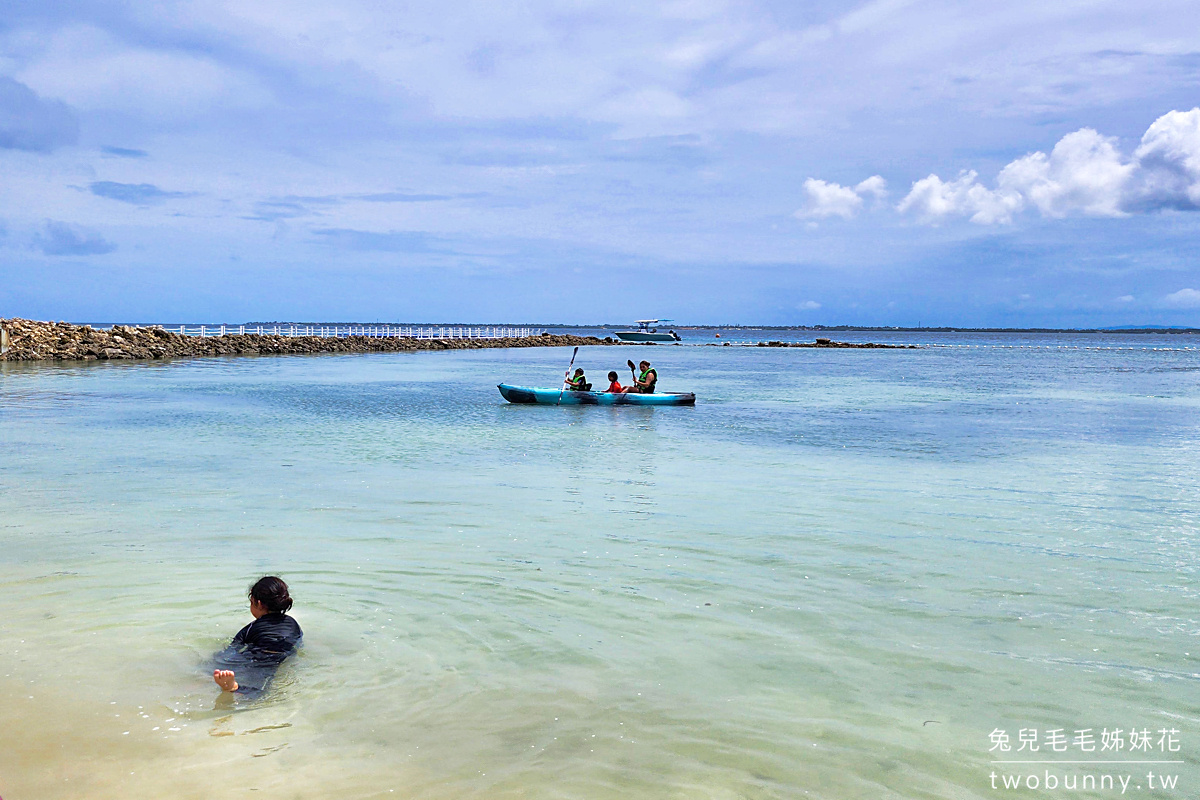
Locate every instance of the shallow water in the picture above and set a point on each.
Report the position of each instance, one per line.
(836, 586)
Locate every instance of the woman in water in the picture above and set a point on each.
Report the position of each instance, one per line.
(259, 648)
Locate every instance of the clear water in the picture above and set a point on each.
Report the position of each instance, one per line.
(832, 578)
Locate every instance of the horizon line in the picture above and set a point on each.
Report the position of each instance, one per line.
(1176, 329)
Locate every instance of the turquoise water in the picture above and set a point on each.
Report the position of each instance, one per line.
(837, 585)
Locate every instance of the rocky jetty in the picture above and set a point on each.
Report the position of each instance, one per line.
(26, 340)
(831, 343)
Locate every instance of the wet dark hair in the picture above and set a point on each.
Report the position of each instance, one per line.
(612, 376)
(579, 370)
(272, 592)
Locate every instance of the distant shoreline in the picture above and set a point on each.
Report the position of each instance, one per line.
(890, 329)
(615, 327)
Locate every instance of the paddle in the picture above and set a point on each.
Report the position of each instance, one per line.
(567, 374)
(633, 372)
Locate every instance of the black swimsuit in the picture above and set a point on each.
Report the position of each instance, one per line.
(258, 649)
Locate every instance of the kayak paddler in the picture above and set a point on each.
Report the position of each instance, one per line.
(644, 383)
(578, 383)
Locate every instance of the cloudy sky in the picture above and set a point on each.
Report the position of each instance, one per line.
(884, 162)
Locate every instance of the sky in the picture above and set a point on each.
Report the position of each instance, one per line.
(890, 162)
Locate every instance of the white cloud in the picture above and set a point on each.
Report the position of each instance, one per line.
(1125, 298)
(1084, 173)
(809, 305)
(1184, 298)
(824, 199)
(933, 199)
(875, 186)
(1169, 162)
(92, 70)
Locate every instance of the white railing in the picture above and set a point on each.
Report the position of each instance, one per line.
(373, 331)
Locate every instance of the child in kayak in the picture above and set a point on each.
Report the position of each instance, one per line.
(578, 383)
(259, 648)
(614, 385)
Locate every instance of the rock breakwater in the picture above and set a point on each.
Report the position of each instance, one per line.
(27, 340)
(831, 343)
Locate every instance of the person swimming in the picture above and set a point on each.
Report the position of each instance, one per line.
(249, 663)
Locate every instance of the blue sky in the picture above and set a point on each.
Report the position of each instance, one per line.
(888, 162)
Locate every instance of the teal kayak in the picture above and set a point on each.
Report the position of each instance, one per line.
(550, 397)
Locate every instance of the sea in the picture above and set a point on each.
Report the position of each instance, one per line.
(965, 570)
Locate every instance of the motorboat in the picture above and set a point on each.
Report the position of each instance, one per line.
(647, 331)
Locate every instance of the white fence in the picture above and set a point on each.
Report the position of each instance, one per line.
(374, 331)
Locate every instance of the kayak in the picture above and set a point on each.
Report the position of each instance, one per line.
(550, 397)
